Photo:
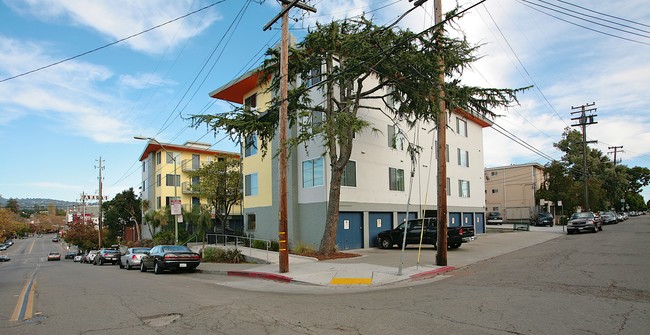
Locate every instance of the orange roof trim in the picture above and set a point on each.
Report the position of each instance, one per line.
(235, 90)
(476, 119)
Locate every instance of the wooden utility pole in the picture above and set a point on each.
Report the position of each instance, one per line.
(615, 152)
(583, 121)
(441, 254)
(283, 236)
(100, 203)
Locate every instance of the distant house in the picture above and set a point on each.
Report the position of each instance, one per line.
(165, 174)
(375, 185)
(511, 189)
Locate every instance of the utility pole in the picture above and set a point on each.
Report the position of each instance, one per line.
(100, 203)
(283, 236)
(583, 121)
(615, 151)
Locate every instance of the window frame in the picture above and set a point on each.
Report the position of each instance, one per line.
(350, 166)
(251, 180)
(462, 189)
(395, 179)
(312, 167)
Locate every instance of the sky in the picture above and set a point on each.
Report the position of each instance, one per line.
(79, 79)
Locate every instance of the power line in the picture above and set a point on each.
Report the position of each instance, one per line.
(110, 44)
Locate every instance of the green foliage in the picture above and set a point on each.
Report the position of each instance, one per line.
(218, 255)
(164, 237)
(302, 248)
(125, 209)
(12, 205)
(258, 244)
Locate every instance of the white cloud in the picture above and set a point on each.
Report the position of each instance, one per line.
(143, 80)
(118, 19)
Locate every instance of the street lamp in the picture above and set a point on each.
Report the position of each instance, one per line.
(175, 187)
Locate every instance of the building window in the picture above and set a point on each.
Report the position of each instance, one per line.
(143, 166)
(158, 180)
(315, 77)
(463, 188)
(158, 202)
(461, 127)
(496, 208)
(463, 157)
(159, 157)
(196, 201)
(313, 172)
(316, 119)
(251, 145)
(395, 138)
(349, 177)
(250, 184)
(172, 180)
(251, 102)
(143, 186)
(396, 179)
(169, 158)
(448, 186)
(493, 173)
(251, 220)
(495, 190)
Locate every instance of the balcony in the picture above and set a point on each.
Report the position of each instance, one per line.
(186, 188)
(188, 165)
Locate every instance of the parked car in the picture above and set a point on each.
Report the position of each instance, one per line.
(90, 256)
(169, 257)
(4, 258)
(53, 256)
(70, 255)
(582, 221)
(609, 218)
(78, 258)
(131, 258)
(107, 256)
(4, 247)
(494, 217)
(9, 242)
(542, 219)
(55, 239)
(395, 236)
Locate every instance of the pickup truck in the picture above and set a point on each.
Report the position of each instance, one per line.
(455, 235)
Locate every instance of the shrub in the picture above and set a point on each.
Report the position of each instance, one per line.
(218, 255)
(303, 248)
(164, 237)
(258, 244)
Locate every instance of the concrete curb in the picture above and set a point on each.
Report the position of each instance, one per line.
(261, 275)
(432, 273)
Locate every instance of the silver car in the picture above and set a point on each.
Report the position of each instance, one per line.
(132, 257)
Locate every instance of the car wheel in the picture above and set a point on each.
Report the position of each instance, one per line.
(121, 265)
(455, 245)
(101, 262)
(385, 243)
(156, 268)
(142, 267)
(128, 265)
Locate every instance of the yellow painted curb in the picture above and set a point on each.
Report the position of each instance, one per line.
(351, 281)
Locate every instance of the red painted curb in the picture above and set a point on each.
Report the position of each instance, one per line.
(262, 275)
(432, 273)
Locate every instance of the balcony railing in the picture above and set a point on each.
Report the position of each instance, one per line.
(186, 188)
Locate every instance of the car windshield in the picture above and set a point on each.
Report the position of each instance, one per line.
(140, 250)
(582, 215)
(176, 248)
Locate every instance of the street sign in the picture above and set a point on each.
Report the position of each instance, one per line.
(176, 207)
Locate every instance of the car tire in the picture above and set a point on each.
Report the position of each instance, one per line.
(385, 243)
(128, 265)
(455, 245)
(121, 265)
(143, 268)
(156, 268)
(101, 262)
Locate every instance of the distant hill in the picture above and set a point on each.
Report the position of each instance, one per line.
(30, 203)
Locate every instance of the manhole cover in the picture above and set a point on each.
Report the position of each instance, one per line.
(38, 318)
(161, 320)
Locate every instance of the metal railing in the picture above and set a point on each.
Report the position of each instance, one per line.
(236, 240)
(193, 237)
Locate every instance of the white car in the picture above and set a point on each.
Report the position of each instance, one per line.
(131, 258)
(78, 258)
(90, 256)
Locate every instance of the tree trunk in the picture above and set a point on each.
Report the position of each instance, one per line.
(328, 243)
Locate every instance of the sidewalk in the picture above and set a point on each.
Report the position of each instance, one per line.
(379, 267)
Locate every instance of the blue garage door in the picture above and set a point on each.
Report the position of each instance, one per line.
(468, 220)
(378, 222)
(479, 223)
(454, 219)
(349, 234)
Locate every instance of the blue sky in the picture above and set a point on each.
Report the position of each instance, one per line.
(57, 122)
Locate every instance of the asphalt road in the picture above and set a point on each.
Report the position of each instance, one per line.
(574, 284)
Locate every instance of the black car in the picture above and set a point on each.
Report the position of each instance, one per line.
(70, 255)
(582, 221)
(107, 256)
(494, 217)
(542, 219)
(414, 233)
(169, 257)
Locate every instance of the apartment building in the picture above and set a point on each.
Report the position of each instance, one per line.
(165, 174)
(511, 189)
(376, 186)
